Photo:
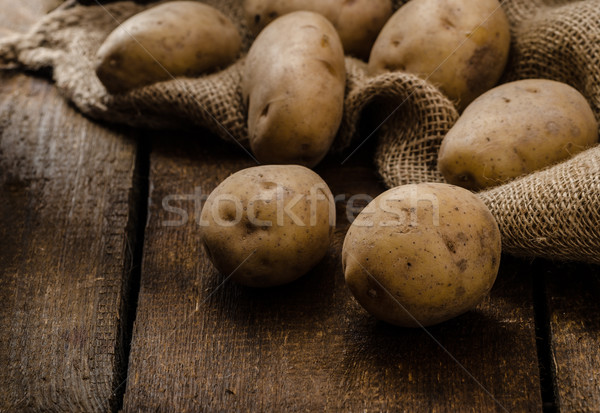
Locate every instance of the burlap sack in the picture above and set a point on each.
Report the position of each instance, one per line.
(554, 213)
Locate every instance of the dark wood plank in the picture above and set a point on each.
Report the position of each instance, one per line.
(66, 187)
(574, 326)
(199, 345)
(63, 244)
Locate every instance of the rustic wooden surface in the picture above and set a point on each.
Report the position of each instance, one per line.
(573, 310)
(66, 192)
(66, 232)
(65, 239)
(71, 198)
(308, 346)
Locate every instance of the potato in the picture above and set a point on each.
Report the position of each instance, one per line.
(515, 129)
(294, 82)
(268, 225)
(358, 22)
(179, 38)
(461, 46)
(422, 254)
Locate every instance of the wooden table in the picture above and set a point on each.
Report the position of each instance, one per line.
(104, 307)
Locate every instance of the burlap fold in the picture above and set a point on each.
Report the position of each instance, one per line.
(553, 213)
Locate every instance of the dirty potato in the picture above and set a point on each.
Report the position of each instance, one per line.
(357, 22)
(268, 225)
(422, 254)
(179, 38)
(461, 46)
(294, 82)
(515, 129)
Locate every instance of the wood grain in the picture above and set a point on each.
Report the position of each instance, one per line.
(574, 321)
(203, 344)
(66, 189)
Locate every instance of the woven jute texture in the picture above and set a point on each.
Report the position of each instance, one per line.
(553, 213)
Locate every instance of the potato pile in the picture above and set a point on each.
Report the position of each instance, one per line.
(294, 77)
(417, 255)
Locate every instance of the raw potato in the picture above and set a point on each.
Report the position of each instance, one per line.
(268, 225)
(294, 82)
(430, 249)
(515, 129)
(459, 45)
(358, 22)
(180, 38)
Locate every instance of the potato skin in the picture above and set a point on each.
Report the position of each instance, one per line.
(446, 42)
(358, 22)
(275, 254)
(294, 82)
(436, 269)
(515, 129)
(180, 38)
